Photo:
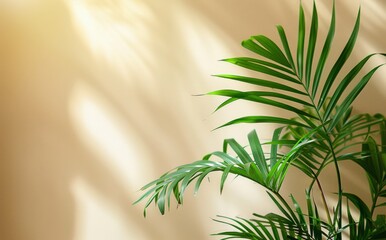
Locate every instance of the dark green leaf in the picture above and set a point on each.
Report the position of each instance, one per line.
(274, 147)
(261, 46)
(311, 45)
(261, 82)
(263, 119)
(258, 153)
(361, 206)
(324, 54)
(340, 62)
(287, 50)
(346, 104)
(343, 86)
(301, 36)
(254, 96)
(261, 68)
(239, 150)
(301, 218)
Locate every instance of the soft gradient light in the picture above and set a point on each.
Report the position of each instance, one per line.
(105, 134)
(97, 218)
(115, 31)
(97, 101)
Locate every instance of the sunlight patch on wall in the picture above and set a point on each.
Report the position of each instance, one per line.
(106, 135)
(374, 12)
(114, 31)
(373, 38)
(205, 42)
(96, 218)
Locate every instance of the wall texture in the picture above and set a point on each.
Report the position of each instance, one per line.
(96, 101)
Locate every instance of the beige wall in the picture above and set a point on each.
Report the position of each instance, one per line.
(96, 101)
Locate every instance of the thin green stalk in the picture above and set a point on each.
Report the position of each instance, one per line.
(374, 204)
(324, 201)
(338, 175)
(339, 207)
(325, 205)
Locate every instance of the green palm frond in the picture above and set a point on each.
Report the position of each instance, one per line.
(247, 229)
(293, 86)
(379, 229)
(322, 130)
(373, 161)
(252, 229)
(254, 165)
(287, 225)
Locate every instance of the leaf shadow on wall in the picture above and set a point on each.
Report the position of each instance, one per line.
(47, 165)
(59, 170)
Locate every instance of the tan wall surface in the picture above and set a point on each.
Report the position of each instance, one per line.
(96, 101)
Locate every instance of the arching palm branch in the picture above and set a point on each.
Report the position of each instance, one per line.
(322, 131)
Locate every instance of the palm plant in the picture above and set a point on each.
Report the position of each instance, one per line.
(323, 132)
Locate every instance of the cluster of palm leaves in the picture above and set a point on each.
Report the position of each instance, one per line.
(322, 132)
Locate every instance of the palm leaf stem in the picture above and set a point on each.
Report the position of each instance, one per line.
(323, 123)
(340, 196)
(324, 201)
(331, 148)
(338, 174)
(375, 200)
(374, 204)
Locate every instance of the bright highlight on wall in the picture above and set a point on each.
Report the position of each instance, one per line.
(115, 31)
(106, 135)
(98, 101)
(97, 218)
